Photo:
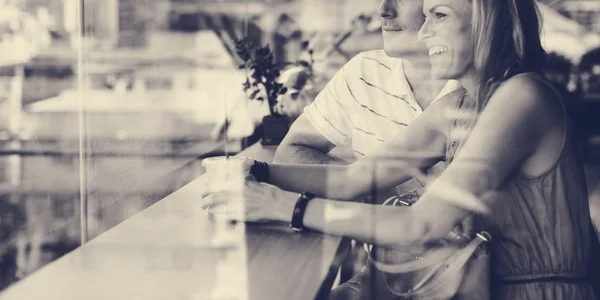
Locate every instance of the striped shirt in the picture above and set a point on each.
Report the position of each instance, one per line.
(366, 103)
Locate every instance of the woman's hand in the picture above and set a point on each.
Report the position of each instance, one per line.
(252, 202)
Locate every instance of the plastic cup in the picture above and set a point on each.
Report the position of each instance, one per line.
(226, 173)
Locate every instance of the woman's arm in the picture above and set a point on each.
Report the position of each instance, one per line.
(508, 132)
(418, 147)
(374, 224)
(520, 116)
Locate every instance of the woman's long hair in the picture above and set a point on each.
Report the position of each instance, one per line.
(506, 36)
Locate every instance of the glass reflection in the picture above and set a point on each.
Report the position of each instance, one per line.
(159, 85)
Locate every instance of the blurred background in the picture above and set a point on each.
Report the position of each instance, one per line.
(112, 104)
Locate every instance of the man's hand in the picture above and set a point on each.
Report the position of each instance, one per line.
(304, 144)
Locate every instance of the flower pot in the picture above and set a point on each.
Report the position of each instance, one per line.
(274, 129)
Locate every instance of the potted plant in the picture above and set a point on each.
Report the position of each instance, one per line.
(262, 83)
(298, 78)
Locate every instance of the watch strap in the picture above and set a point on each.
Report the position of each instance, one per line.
(299, 211)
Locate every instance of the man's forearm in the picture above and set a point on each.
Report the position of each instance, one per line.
(327, 181)
(339, 182)
(302, 154)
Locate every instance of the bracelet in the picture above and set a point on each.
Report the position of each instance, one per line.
(260, 171)
(299, 210)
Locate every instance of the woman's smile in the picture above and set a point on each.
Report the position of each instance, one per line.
(447, 34)
(435, 50)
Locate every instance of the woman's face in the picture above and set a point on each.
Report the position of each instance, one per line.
(447, 34)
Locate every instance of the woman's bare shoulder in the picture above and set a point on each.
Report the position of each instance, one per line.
(529, 92)
(532, 88)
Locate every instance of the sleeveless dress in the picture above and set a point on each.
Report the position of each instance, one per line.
(540, 225)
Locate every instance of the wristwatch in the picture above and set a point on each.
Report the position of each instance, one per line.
(299, 210)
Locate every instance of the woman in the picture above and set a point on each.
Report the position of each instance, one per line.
(508, 144)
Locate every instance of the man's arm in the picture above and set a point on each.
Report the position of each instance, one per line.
(391, 163)
(304, 144)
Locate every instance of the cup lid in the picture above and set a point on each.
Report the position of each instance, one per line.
(220, 159)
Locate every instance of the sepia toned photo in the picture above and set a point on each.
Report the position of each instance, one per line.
(300, 149)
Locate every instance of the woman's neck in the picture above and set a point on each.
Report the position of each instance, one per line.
(469, 83)
(425, 88)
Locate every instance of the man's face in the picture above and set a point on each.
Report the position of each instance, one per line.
(401, 21)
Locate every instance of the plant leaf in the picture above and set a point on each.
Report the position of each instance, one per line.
(304, 63)
(304, 45)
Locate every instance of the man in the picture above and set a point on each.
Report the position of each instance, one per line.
(373, 97)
